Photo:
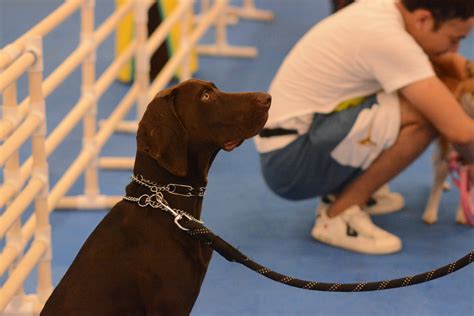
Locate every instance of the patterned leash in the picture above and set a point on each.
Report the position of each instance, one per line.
(460, 177)
(196, 229)
(203, 234)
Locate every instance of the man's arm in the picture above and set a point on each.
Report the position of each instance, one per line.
(438, 105)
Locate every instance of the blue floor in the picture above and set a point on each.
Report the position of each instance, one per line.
(241, 209)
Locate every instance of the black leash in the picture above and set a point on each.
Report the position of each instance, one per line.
(196, 229)
(199, 232)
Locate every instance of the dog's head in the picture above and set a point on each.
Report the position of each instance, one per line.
(196, 114)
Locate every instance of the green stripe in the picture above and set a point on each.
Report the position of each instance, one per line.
(349, 104)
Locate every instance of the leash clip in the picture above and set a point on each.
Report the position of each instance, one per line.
(179, 215)
(176, 221)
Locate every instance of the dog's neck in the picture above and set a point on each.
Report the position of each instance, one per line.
(149, 168)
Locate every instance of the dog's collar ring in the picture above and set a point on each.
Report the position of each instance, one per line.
(153, 200)
(145, 203)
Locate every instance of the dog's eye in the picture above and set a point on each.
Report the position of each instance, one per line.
(206, 95)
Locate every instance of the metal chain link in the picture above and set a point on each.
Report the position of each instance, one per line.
(157, 201)
(170, 188)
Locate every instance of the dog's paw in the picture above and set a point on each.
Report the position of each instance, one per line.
(430, 217)
(460, 217)
(446, 186)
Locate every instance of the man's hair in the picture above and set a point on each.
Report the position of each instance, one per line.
(443, 10)
(339, 4)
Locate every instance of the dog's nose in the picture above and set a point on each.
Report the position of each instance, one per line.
(264, 100)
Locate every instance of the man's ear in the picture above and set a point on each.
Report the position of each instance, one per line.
(162, 136)
(423, 20)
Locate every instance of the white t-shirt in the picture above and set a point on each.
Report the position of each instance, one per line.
(359, 51)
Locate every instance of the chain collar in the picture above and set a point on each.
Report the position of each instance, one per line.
(156, 200)
(172, 188)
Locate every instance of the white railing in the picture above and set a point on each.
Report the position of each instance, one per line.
(28, 243)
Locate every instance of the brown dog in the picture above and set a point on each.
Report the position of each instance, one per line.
(137, 261)
(463, 90)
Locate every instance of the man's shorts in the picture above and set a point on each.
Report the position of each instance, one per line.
(336, 149)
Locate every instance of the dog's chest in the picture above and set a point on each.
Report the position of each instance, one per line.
(153, 233)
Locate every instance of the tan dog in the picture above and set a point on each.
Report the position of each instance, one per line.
(463, 90)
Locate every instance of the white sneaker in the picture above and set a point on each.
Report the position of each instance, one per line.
(384, 201)
(353, 230)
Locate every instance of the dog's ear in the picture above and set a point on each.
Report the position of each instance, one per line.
(162, 135)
